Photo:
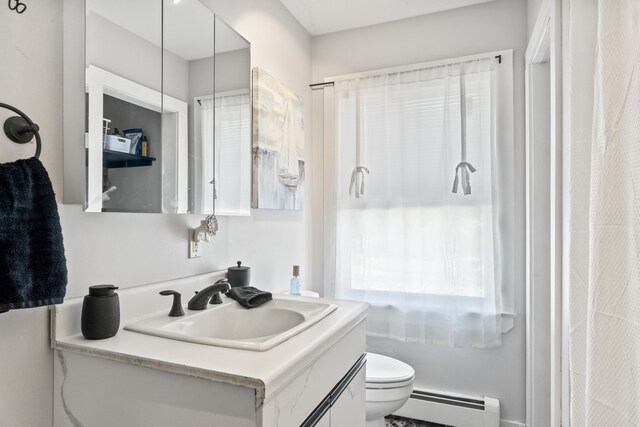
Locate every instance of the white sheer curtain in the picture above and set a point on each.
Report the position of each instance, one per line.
(232, 137)
(425, 258)
(603, 259)
(205, 173)
(225, 125)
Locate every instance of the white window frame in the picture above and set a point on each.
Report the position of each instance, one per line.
(504, 124)
(175, 132)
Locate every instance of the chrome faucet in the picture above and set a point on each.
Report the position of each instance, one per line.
(200, 299)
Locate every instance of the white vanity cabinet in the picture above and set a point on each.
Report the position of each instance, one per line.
(103, 393)
(316, 378)
(325, 421)
(346, 405)
(350, 407)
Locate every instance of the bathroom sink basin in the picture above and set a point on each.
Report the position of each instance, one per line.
(231, 325)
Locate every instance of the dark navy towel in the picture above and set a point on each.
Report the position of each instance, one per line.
(33, 269)
(248, 296)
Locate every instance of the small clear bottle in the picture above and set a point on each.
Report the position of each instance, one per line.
(295, 281)
(145, 147)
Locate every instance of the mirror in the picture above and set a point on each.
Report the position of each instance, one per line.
(230, 99)
(152, 106)
(188, 71)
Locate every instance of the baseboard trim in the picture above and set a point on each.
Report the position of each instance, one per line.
(509, 423)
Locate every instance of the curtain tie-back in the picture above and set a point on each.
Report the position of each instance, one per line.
(353, 185)
(463, 171)
(464, 168)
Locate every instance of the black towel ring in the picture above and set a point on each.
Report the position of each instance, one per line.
(21, 129)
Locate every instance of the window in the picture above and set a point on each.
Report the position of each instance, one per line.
(429, 260)
(233, 162)
(223, 123)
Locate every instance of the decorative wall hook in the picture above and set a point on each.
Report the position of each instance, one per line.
(208, 227)
(17, 5)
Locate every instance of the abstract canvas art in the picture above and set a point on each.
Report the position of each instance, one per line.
(278, 145)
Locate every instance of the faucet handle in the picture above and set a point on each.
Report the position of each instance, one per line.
(176, 308)
(216, 299)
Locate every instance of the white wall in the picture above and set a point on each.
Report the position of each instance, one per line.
(491, 26)
(533, 8)
(30, 79)
(126, 249)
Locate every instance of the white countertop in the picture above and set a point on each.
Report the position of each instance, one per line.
(266, 372)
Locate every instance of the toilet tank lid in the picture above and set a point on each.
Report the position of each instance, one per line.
(383, 369)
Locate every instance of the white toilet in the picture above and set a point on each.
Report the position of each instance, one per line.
(389, 385)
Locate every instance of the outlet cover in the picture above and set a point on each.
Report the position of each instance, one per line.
(195, 248)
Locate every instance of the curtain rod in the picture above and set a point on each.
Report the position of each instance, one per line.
(318, 86)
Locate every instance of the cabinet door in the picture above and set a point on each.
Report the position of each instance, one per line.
(349, 409)
(325, 421)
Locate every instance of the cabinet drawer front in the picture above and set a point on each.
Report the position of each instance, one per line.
(295, 402)
(343, 403)
(350, 408)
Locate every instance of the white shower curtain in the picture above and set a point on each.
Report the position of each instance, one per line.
(604, 212)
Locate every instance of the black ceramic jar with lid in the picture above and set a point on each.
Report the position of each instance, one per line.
(100, 312)
(239, 276)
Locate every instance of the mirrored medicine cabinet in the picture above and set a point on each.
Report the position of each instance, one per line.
(167, 109)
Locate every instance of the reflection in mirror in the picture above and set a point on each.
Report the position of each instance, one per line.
(168, 114)
(124, 82)
(140, 131)
(221, 169)
(188, 73)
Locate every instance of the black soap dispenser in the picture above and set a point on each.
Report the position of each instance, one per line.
(100, 312)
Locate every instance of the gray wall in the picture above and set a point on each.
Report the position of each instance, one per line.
(227, 66)
(491, 26)
(124, 53)
(125, 249)
(227, 75)
(201, 78)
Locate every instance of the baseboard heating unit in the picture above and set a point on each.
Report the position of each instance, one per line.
(451, 409)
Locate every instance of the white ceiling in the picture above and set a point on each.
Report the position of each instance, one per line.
(328, 16)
